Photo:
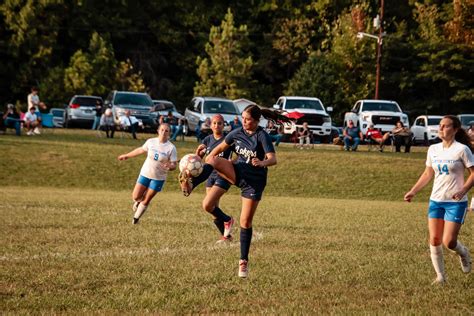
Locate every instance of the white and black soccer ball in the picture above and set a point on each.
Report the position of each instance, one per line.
(191, 164)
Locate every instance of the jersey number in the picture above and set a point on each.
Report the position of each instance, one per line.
(442, 169)
(156, 156)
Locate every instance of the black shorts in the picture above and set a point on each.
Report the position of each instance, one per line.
(250, 180)
(217, 180)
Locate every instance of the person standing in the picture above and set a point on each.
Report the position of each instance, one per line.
(161, 158)
(98, 114)
(256, 153)
(216, 186)
(446, 161)
(34, 101)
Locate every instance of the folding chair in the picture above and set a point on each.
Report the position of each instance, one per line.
(47, 121)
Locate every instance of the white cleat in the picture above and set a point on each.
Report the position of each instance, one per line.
(466, 262)
(228, 227)
(243, 268)
(439, 281)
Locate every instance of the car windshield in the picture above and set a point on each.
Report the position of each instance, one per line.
(466, 119)
(434, 121)
(304, 104)
(375, 106)
(222, 107)
(85, 101)
(133, 99)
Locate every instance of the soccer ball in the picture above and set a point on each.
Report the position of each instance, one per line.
(191, 164)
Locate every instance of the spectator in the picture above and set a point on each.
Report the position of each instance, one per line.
(470, 132)
(236, 123)
(12, 119)
(305, 136)
(274, 131)
(402, 136)
(375, 135)
(34, 101)
(31, 122)
(107, 123)
(205, 129)
(352, 136)
(130, 123)
(174, 125)
(98, 114)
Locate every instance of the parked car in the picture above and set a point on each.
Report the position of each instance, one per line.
(241, 104)
(466, 120)
(425, 129)
(162, 107)
(58, 116)
(139, 104)
(202, 107)
(80, 110)
(306, 109)
(383, 114)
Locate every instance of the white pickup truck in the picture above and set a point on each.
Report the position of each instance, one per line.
(382, 114)
(312, 111)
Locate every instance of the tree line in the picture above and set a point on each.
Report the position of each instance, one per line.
(253, 49)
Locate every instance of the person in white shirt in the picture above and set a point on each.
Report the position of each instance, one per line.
(161, 158)
(31, 122)
(130, 123)
(446, 161)
(34, 101)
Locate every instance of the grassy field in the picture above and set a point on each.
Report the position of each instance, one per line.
(331, 235)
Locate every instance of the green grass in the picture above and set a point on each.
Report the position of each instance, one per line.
(332, 235)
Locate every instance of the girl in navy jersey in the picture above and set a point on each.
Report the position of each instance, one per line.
(447, 209)
(255, 152)
(161, 157)
(216, 186)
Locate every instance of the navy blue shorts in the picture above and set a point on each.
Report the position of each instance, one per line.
(250, 180)
(217, 180)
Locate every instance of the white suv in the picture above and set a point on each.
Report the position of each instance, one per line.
(425, 129)
(203, 107)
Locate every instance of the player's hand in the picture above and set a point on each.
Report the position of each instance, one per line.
(257, 162)
(122, 157)
(459, 195)
(201, 150)
(409, 196)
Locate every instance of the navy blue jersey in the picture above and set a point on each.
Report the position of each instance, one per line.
(212, 143)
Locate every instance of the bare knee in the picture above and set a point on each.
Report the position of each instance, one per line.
(208, 206)
(450, 243)
(435, 241)
(211, 160)
(245, 223)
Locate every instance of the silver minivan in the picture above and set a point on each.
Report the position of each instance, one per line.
(81, 109)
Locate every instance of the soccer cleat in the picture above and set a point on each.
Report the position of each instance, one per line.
(135, 206)
(135, 220)
(243, 268)
(185, 183)
(228, 227)
(225, 240)
(466, 263)
(439, 281)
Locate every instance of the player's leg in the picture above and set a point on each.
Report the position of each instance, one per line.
(146, 189)
(454, 218)
(249, 206)
(436, 227)
(210, 204)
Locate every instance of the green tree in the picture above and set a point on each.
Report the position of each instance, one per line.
(227, 71)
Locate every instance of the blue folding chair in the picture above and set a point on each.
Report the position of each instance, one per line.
(47, 121)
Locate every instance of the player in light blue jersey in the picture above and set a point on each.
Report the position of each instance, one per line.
(446, 161)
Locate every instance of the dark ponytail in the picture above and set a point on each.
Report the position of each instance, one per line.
(461, 135)
(275, 116)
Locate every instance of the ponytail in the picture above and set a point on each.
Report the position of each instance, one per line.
(275, 116)
(461, 135)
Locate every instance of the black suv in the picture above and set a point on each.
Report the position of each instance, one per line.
(139, 104)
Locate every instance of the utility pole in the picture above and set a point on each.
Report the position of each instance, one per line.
(379, 51)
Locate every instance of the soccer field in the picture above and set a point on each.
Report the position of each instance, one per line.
(331, 235)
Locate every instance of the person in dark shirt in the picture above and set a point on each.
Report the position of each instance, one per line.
(235, 123)
(255, 153)
(98, 114)
(11, 118)
(216, 186)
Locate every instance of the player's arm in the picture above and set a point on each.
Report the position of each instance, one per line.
(136, 152)
(270, 160)
(467, 185)
(424, 179)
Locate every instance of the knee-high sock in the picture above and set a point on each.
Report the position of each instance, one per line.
(460, 249)
(219, 214)
(206, 172)
(245, 240)
(140, 210)
(220, 225)
(438, 261)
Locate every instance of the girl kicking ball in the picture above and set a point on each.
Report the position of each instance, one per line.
(256, 153)
(446, 161)
(161, 158)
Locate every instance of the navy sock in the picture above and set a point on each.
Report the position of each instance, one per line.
(220, 225)
(245, 240)
(219, 214)
(206, 172)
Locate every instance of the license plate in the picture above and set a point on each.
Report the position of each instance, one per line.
(88, 111)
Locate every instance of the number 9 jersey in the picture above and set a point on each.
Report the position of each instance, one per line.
(448, 165)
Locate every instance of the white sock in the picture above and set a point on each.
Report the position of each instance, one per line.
(437, 260)
(140, 210)
(460, 249)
